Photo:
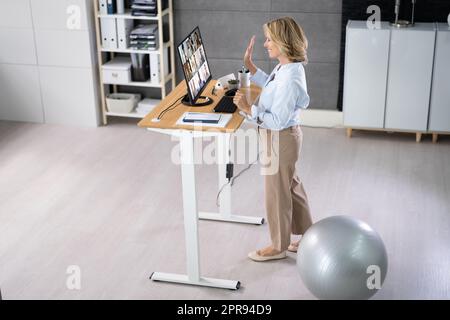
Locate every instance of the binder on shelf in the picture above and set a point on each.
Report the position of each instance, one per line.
(155, 71)
(103, 6)
(155, 66)
(120, 6)
(124, 27)
(109, 33)
(111, 5)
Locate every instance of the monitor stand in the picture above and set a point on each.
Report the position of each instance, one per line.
(187, 101)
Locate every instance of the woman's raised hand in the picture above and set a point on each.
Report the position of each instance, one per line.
(248, 60)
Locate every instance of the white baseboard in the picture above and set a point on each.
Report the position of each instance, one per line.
(322, 118)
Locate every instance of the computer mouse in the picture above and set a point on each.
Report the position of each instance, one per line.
(231, 92)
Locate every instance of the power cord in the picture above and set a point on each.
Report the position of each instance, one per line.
(170, 108)
(231, 180)
(229, 172)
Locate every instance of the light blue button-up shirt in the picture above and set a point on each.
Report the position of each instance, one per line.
(284, 94)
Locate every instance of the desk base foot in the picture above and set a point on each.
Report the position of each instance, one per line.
(231, 218)
(204, 282)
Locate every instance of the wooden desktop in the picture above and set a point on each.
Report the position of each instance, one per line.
(170, 118)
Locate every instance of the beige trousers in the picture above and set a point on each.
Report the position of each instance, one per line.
(285, 197)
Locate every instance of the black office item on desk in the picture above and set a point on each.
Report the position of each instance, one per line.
(225, 105)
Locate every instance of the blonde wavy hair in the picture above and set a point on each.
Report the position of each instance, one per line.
(289, 37)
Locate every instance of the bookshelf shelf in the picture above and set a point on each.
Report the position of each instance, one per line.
(128, 15)
(146, 84)
(157, 51)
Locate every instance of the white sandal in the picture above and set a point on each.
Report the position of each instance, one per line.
(257, 257)
(293, 247)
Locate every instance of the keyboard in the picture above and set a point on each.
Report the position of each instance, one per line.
(225, 105)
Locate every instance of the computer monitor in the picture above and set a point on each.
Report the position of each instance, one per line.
(195, 67)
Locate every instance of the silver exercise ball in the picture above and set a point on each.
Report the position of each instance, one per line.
(342, 258)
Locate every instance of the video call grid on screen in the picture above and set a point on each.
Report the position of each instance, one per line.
(195, 66)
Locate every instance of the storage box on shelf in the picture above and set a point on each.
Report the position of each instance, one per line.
(135, 50)
(117, 71)
(122, 102)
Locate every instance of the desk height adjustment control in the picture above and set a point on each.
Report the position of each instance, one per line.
(229, 173)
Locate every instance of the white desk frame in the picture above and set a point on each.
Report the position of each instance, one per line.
(191, 214)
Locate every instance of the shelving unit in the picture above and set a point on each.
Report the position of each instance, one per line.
(106, 54)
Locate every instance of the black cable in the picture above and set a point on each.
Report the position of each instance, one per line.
(231, 181)
(218, 194)
(161, 116)
(169, 108)
(243, 170)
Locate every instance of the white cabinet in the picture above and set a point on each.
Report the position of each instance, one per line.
(440, 92)
(64, 48)
(20, 98)
(15, 14)
(48, 62)
(17, 46)
(70, 101)
(366, 68)
(397, 79)
(409, 79)
(54, 14)
(67, 61)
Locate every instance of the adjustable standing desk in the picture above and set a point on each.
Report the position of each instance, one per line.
(187, 134)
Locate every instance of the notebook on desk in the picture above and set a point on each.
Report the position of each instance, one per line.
(204, 119)
(201, 117)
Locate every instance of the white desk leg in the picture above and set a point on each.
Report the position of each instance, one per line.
(191, 226)
(223, 147)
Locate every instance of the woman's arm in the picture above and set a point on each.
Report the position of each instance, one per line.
(256, 75)
(286, 98)
(248, 60)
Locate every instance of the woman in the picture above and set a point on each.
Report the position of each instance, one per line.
(284, 94)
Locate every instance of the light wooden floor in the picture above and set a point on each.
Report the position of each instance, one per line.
(109, 200)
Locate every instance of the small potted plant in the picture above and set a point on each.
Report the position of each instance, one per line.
(233, 84)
